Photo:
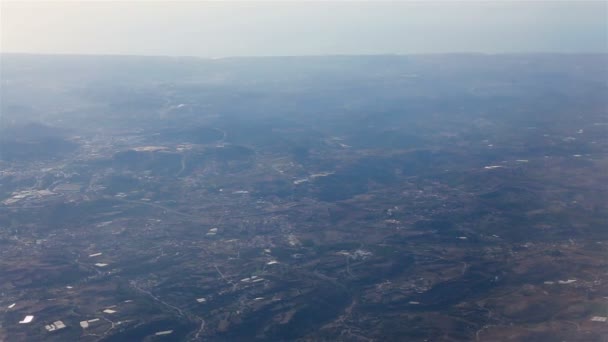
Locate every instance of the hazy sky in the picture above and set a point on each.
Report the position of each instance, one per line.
(223, 28)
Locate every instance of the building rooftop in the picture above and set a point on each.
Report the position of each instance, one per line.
(26, 319)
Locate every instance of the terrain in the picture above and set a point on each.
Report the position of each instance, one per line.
(343, 198)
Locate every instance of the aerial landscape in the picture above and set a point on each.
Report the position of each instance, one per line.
(428, 197)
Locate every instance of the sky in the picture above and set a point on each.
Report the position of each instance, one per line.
(254, 28)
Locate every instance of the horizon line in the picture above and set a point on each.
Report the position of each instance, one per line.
(475, 53)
